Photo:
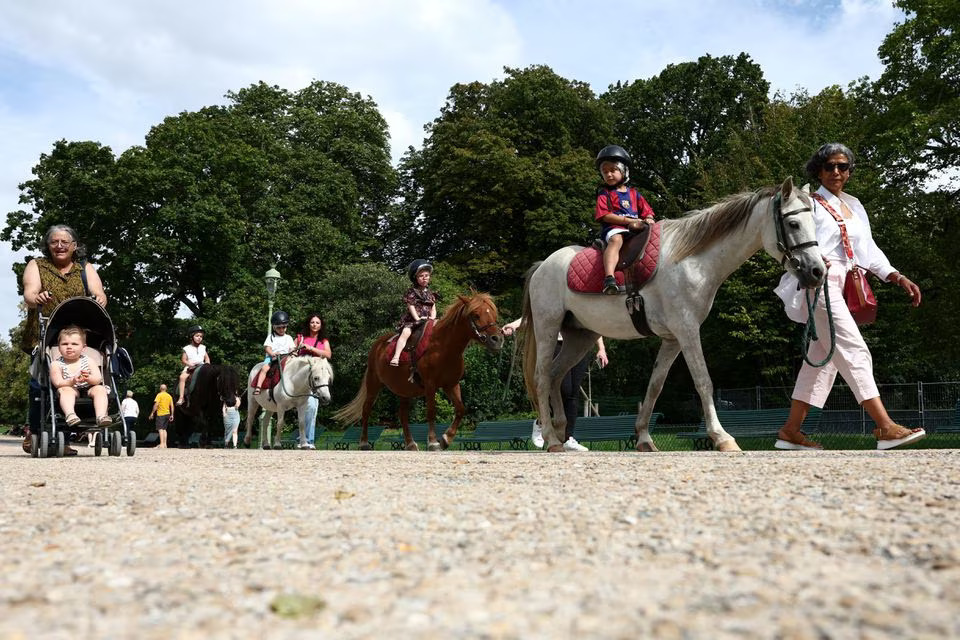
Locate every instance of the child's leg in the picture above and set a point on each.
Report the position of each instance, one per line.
(612, 253)
(183, 383)
(261, 375)
(68, 400)
(99, 395)
(401, 343)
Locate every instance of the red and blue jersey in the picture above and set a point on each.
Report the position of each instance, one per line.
(629, 204)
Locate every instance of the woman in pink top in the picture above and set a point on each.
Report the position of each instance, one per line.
(312, 342)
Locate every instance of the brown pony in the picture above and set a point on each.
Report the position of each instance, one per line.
(440, 367)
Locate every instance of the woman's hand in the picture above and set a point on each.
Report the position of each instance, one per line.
(911, 288)
(44, 297)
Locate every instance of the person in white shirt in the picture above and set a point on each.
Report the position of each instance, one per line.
(129, 411)
(569, 391)
(194, 354)
(832, 165)
(277, 344)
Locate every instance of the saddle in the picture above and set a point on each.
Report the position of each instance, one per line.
(636, 265)
(190, 383)
(273, 375)
(417, 344)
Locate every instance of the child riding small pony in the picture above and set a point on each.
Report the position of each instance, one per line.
(421, 305)
(194, 354)
(277, 345)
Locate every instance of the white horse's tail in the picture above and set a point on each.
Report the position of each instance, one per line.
(353, 411)
(529, 338)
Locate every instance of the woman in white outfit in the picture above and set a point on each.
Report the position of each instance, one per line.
(832, 165)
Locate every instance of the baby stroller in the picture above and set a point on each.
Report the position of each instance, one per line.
(114, 363)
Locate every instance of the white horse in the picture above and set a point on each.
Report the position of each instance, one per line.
(697, 253)
(301, 378)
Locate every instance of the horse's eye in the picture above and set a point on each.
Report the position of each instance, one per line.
(794, 224)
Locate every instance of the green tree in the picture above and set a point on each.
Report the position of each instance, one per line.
(215, 197)
(504, 178)
(917, 98)
(674, 124)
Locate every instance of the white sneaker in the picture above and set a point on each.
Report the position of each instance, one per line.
(572, 445)
(309, 446)
(536, 437)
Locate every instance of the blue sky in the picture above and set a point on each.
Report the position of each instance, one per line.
(107, 70)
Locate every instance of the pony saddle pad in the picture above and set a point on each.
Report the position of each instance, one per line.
(417, 343)
(273, 375)
(585, 273)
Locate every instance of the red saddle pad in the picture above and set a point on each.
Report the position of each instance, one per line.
(421, 346)
(585, 273)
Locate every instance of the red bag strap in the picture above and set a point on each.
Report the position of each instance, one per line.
(839, 218)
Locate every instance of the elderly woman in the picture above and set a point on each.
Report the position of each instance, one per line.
(842, 228)
(61, 273)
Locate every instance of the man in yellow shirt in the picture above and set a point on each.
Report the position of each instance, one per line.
(163, 409)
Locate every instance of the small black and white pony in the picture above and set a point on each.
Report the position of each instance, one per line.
(697, 253)
(301, 378)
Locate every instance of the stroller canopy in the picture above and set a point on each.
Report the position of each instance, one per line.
(85, 313)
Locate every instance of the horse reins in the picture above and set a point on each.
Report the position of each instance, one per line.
(776, 208)
(810, 328)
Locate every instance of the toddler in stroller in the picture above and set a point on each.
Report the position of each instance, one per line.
(78, 365)
(73, 374)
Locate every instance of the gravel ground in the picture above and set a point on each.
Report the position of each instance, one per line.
(290, 544)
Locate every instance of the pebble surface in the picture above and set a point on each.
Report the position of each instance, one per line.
(345, 544)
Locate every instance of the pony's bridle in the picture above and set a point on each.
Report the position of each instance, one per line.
(478, 332)
(779, 223)
(314, 389)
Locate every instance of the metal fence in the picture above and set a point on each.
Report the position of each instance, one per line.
(917, 404)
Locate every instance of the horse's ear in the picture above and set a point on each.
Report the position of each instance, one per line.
(463, 299)
(787, 188)
(806, 188)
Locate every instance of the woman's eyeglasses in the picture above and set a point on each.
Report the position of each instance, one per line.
(830, 166)
(60, 243)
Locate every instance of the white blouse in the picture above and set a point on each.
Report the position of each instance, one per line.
(866, 253)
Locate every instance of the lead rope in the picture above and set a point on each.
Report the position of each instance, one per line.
(810, 329)
(513, 361)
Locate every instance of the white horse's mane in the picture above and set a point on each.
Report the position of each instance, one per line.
(700, 228)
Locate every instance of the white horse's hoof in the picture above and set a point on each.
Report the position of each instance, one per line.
(433, 446)
(727, 445)
(646, 447)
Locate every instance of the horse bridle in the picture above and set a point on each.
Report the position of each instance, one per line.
(479, 331)
(314, 389)
(779, 219)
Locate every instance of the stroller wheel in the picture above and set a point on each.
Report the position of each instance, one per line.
(97, 443)
(61, 444)
(43, 448)
(115, 443)
(34, 445)
(131, 443)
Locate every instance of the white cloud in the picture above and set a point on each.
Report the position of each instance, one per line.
(108, 70)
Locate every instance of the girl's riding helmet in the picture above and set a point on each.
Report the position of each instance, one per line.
(280, 317)
(416, 267)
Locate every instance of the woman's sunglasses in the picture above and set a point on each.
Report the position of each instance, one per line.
(830, 166)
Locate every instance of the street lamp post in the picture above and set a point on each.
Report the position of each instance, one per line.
(271, 278)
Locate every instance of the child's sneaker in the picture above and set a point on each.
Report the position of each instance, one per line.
(610, 286)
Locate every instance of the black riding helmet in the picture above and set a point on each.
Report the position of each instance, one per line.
(416, 267)
(615, 153)
(195, 329)
(279, 317)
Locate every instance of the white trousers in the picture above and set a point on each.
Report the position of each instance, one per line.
(851, 357)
